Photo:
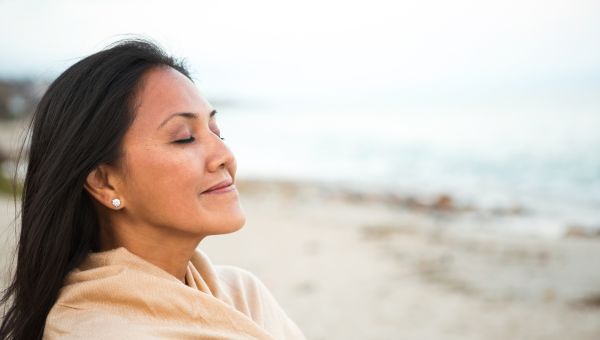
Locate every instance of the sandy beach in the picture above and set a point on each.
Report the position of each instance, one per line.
(347, 268)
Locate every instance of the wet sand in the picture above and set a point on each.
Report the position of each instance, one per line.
(347, 268)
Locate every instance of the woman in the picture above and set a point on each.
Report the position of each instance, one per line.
(127, 173)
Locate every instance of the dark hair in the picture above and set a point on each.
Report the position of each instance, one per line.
(78, 124)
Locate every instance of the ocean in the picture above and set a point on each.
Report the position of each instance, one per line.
(545, 163)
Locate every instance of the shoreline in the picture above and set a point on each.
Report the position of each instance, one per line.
(443, 206)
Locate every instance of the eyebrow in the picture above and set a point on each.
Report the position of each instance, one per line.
(190, 115)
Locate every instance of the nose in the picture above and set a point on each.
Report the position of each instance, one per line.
(220, 156)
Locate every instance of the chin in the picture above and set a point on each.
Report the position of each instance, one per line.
(238, 223)
(233, 223)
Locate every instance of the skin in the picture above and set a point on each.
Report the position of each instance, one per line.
(164, 212)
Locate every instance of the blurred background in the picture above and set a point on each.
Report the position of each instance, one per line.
(422, 170)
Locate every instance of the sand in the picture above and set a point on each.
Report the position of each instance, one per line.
(358, 269)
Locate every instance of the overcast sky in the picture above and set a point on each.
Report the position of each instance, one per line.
(335, 48)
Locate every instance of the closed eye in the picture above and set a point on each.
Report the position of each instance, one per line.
(183, 141)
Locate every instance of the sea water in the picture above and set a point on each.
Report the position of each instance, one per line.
(546, 163)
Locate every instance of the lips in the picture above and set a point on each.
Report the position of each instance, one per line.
(220, 185)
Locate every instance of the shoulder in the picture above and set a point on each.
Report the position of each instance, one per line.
(238, 277)
(241, 284)
(64, 322)
(252, 297)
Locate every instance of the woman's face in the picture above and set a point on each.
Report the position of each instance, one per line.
(173, 153)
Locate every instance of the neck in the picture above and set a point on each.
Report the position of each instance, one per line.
(166, 249)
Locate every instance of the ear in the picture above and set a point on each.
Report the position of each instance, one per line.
(102, 184)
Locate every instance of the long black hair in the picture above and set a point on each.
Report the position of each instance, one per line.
(78, 124)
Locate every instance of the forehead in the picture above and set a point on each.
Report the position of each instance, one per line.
(164, 91)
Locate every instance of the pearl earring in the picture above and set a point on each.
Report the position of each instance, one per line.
(116, 202)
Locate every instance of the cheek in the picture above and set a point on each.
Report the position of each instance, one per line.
(167, 174)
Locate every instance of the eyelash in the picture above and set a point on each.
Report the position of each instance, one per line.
(191, 139)
(185, 141)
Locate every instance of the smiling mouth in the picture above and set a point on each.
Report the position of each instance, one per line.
(221, 187)
(220, 190)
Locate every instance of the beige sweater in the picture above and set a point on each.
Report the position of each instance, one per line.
(115, 294)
